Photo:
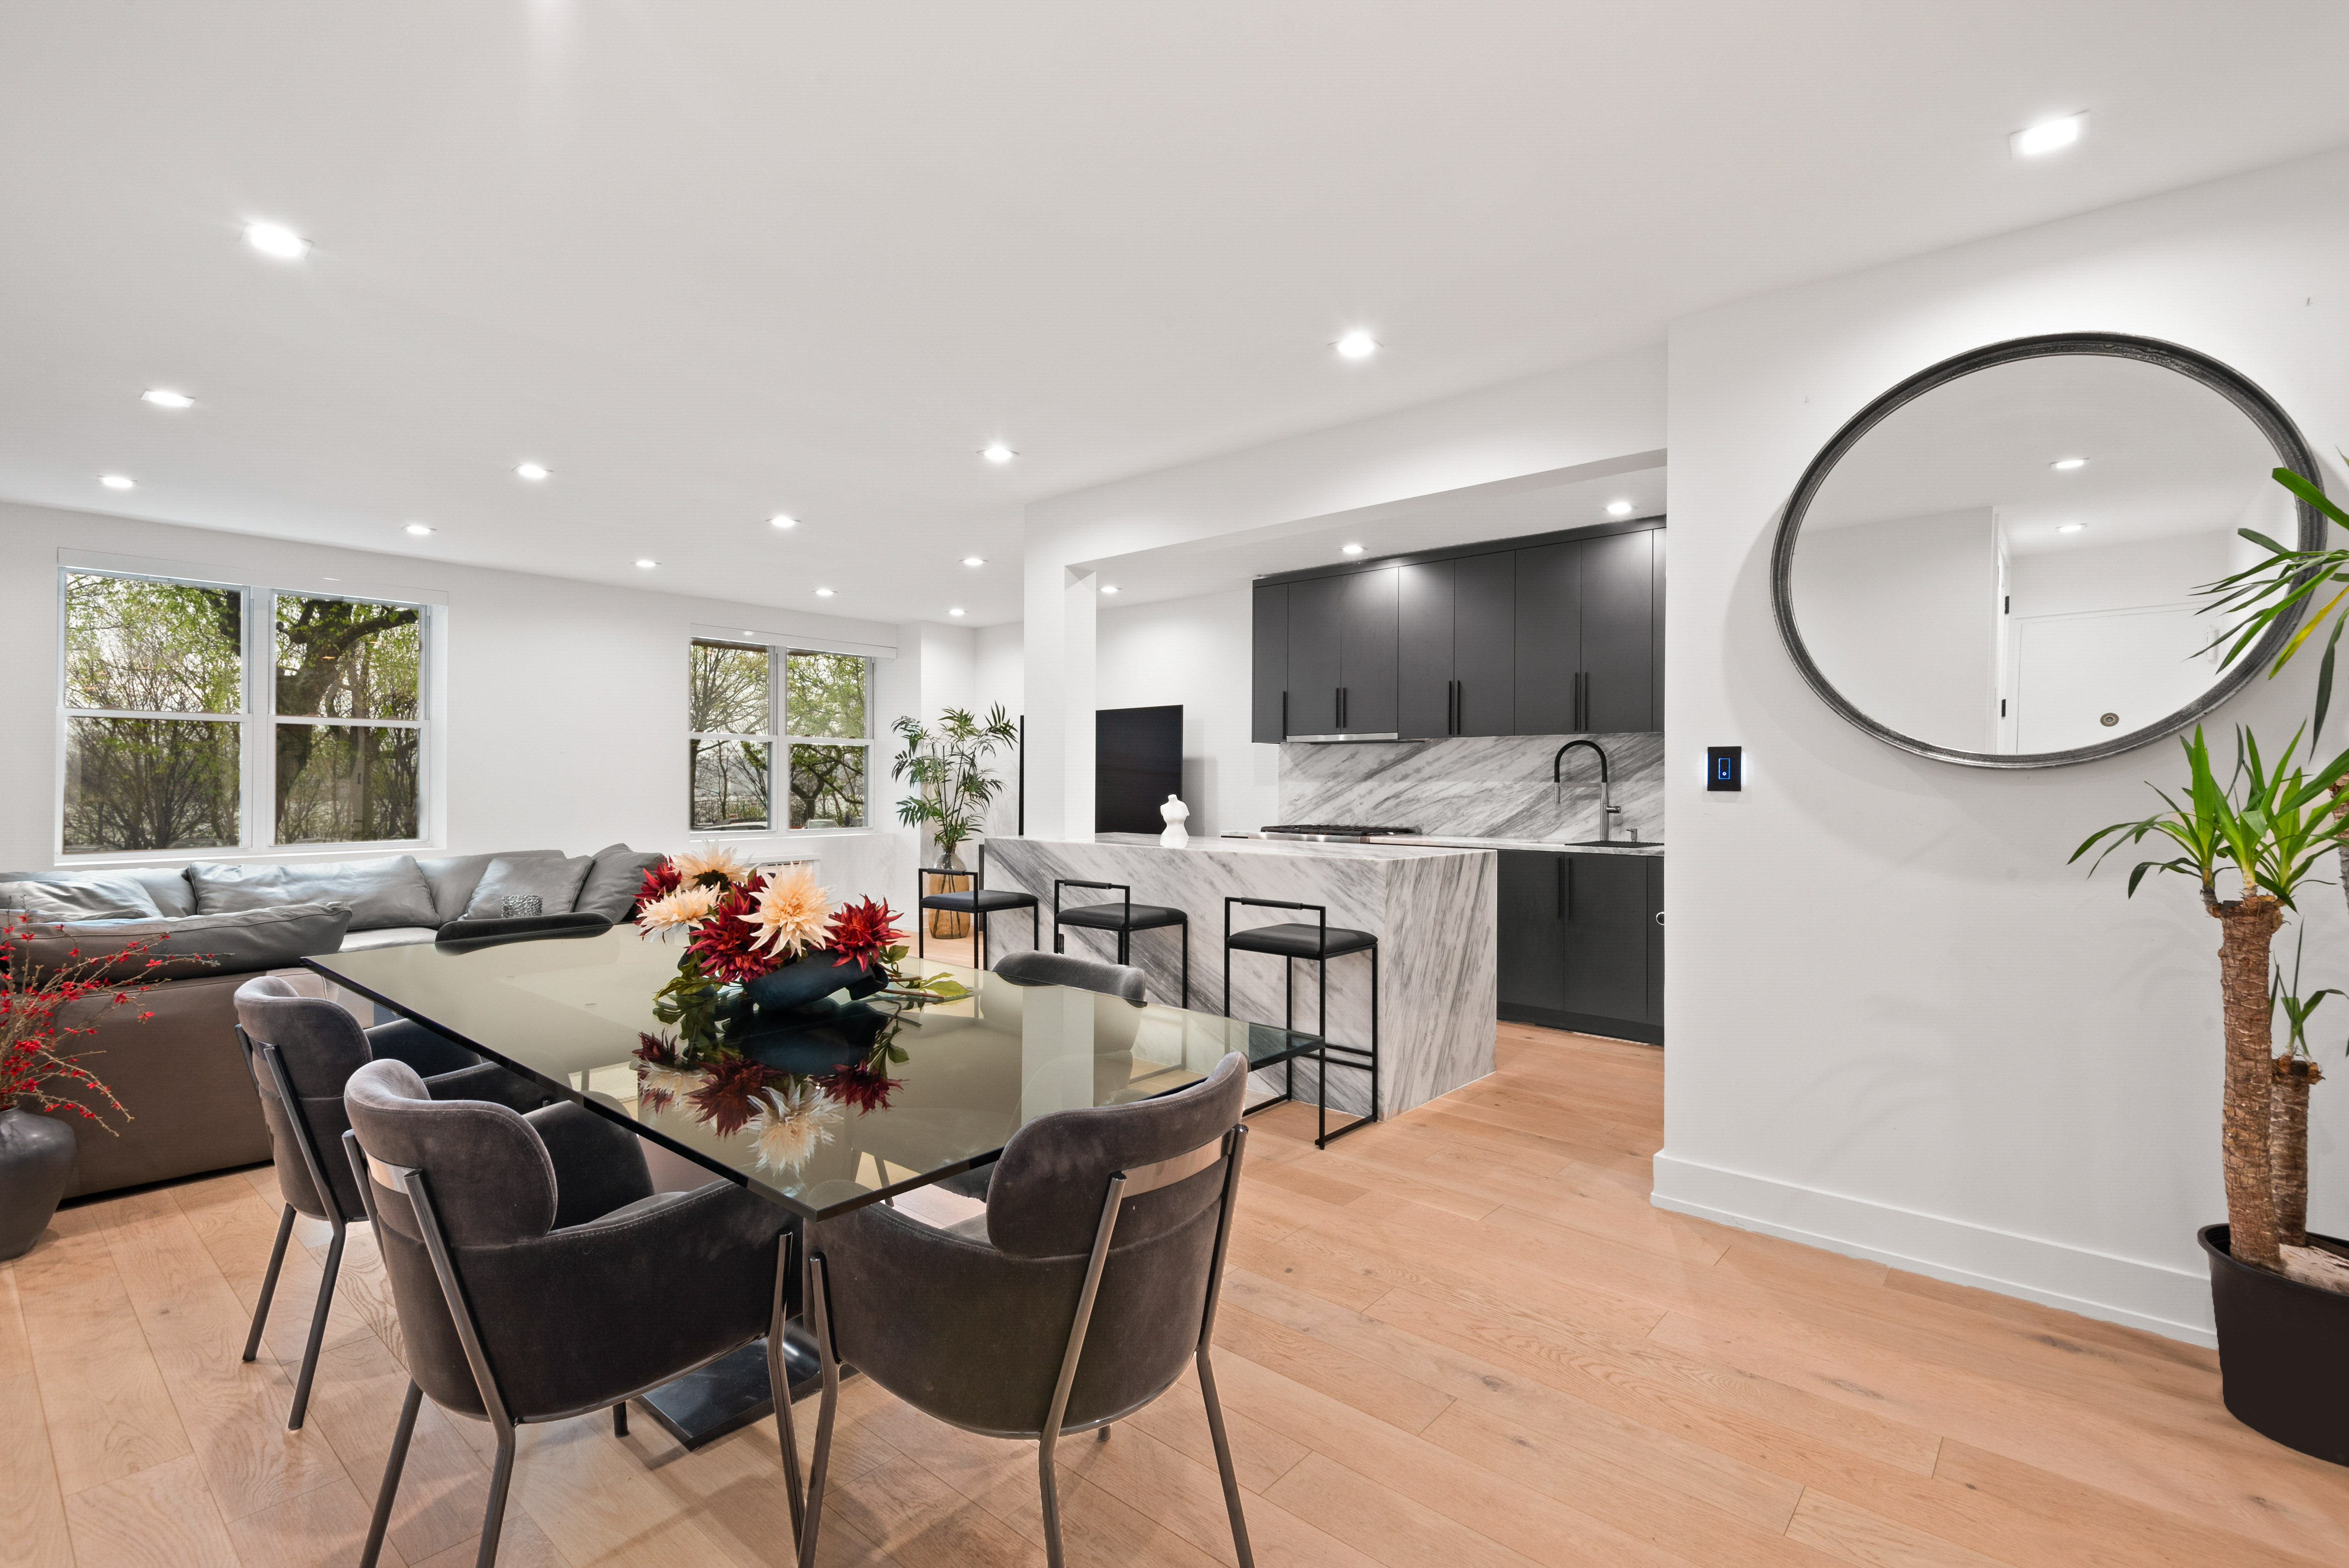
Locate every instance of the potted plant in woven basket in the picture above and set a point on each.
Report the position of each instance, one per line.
(2280, 1294)
(952, 785)
(45, 1008)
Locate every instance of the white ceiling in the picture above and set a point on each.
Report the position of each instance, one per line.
(709, 261)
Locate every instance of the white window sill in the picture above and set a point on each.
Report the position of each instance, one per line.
(274, 855)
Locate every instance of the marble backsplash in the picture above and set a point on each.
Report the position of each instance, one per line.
(1479, 786)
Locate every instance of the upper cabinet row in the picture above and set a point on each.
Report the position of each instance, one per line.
(1545, 639)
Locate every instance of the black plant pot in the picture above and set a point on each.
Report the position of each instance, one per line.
(2283, 1353)
(36, 1160)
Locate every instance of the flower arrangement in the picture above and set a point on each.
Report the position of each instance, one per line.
(32, 1034)
(756, 942)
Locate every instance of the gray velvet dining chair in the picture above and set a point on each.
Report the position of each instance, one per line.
(1034, 968)
(538, 1277)
(301, 1050)
(1093, 1280)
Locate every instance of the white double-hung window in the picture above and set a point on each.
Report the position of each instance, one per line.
(206, 715)
(781, 737)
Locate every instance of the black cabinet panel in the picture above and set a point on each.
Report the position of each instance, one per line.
(1656, 941)
(1605, 945)
(1367, 652)
(1531, 968)
(1315, 614)
(1269, 661)
(1483, 644)
(1618, 614)
(1547, 637)
(1424, 672)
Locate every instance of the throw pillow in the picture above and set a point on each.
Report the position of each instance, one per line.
(555, 883)
(379, 893)
(235, 944)
(613, 881)
(79, 898)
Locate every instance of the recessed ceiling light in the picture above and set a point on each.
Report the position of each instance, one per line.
(647, 565)
(2066, 465)
(974, 560)
(1619, 508)
(118, 481)
(2070, 527)
(164, 397)
(996, 452)
(824, 593)
(277, 240)
(955, 611)
(419, 529)
(782, 520)
(1109, 587)
(531, 470)
(1349, 550)
(1357, 345)
(2048, 135)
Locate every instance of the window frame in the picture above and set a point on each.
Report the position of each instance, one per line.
(256, 720)
(778, 738)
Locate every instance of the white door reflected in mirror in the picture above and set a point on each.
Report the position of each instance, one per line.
(2005, 566)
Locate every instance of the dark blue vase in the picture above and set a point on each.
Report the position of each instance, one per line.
(800, 985)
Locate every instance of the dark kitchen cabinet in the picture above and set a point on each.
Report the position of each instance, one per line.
(1457, 665)
(1368, 652)
(1316, 615)
(1268, 664)
(1554, 637)
(1579, 944)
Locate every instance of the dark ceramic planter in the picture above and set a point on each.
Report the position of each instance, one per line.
(37, 1162)
(2283, 1353)
(808, 981)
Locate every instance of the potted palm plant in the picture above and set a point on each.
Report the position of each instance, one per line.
(953, 786)
(2283, 1315)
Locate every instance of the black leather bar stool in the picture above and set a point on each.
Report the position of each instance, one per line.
(1124, 917)
(1319, 942)
(976, 902)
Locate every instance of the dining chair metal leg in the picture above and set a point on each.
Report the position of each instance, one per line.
(819, 1316)
(391, 1469)
(1223, 1462)
(317, 1327)
(620, 1420)
(269, 1283)
(493, 1520)
(1186, 965)
(779, 1377)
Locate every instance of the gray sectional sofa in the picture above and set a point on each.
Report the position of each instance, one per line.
(182, 1074)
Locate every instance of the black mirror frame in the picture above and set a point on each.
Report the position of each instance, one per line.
(2292, 452)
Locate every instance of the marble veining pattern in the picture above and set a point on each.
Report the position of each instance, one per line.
(1433, 909)
(1477, 787)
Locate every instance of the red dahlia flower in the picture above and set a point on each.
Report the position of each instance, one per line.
(861, 1087)
(724, 1099)
(862, 931)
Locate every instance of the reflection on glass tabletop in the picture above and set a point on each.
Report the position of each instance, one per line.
(570, 1013)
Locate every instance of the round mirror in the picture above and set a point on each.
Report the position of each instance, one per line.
(1995, 563)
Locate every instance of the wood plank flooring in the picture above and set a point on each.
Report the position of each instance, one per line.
(1462, 1336)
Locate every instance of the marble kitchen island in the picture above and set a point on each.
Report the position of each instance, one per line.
(1431, 906)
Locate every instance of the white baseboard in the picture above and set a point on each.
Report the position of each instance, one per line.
(2156, 1297)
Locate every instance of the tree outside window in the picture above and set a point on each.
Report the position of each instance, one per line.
(745, 704)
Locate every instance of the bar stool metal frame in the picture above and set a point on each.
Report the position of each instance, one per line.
(923, 901)
(1365, 1060)
(1124, 931)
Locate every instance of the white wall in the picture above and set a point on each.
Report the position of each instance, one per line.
(563, 701)
(1195, 652)
(1902, 1026)
(1596, 412)
(998, 677)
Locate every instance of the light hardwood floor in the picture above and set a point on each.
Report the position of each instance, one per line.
(1463, 1337)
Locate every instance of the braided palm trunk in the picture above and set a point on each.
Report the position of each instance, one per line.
(2246, 1148)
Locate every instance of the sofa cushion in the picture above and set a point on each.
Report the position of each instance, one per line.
(554, 882)
(233, 942)
(379, 893)
(386, 936)
(613, 881)
(454, 877)
(65, 895)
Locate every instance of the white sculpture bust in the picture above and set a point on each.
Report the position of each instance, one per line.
(1176, 814)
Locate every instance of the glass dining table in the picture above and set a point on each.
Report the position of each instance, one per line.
(570, 1013)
